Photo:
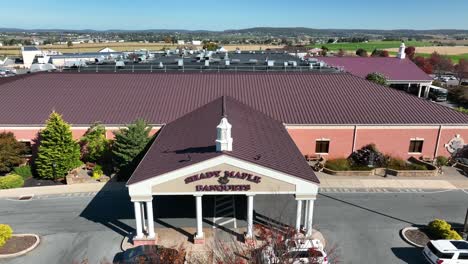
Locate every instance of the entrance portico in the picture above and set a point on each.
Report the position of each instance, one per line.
(207, 160)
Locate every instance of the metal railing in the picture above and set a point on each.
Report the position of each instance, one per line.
(154, 68)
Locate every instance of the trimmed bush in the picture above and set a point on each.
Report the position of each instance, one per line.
(97, 172)
(344, 165)
(441, 161)
(5, 233)
(400, 164)
(23, 171)
(367, 155)
(338, 164)
(11, 181)
(440, 229)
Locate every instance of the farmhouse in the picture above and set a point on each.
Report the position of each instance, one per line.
(327, 114)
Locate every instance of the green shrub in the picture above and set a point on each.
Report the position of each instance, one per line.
(441, 161)
(5, 233)
(97, 172)
(23, 171)
(400, 164)
(338, 164)
(451, 235)
(440, 229)
(397, 164)
(11, 181)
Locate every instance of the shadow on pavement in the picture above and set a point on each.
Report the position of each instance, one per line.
(109, 207)
(368, 209)
(409, 254)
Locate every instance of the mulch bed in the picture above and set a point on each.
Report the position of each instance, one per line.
(33, 182)
(16, 244)
(419, 236)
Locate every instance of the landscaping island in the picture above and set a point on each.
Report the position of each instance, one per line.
(437, 229)
(14, 245)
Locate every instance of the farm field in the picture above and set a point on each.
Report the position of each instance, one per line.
(371, 45)
(445, 50)
(125, 46)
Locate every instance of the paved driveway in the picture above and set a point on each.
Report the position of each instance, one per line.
(364, 226)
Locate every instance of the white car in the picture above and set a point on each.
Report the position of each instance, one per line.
(446, 252)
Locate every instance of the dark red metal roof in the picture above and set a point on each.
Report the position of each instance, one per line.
(395, 69)
(292, 98)
(257, 138)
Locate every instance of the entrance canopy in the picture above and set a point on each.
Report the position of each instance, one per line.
(184, 158)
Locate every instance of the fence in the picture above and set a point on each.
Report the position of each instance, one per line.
(193, 68)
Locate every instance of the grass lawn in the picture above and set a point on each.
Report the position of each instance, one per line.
(371, 45)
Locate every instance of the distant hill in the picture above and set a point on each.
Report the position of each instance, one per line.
(274, 31)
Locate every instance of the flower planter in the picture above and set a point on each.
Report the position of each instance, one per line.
(349, 173)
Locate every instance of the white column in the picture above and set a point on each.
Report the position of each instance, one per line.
(142, 205)
(198, 200)
(149, 212)
(139, 232)
(419, 91)
(306, 213)
(310, 216)
(249, 216)
(298, 215)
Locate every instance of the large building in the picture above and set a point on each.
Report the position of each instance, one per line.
(328, 114)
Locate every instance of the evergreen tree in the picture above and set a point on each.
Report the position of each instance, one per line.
(58, 153)
(10, 151)
(129, 143)
(94, 144)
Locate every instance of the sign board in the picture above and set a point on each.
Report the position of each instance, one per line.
(223, 178)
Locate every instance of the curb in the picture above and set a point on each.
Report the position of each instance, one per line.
(402, 233)
(17, 254)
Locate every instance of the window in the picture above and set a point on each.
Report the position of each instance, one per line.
(463, 256)
(322, 146)
(27, 148)
(416, 146)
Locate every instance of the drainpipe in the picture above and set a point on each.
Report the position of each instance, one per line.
(438, 141)
(354, 139)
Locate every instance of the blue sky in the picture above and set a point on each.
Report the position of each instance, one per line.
(220, 15)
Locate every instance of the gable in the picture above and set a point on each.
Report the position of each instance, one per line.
(223, 178)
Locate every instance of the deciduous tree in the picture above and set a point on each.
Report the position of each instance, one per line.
(361, 52)
(94, 144)
(10, 151)
(410, 52)
(379, 53)
(377, 78)
(211, 46)
(424, 64)
(58, 152)
(461, 70)
(440, 63)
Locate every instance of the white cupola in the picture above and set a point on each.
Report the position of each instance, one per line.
(401, 51)
(224, 139)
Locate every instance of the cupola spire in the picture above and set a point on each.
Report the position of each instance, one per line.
(224, 139)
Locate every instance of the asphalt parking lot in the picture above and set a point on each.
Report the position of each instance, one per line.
(363, 226)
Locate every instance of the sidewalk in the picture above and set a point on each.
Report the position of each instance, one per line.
(60, 189)
(451, 179)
